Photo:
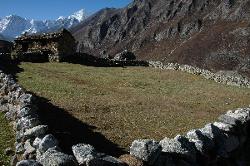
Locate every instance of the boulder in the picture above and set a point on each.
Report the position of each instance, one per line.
(20, 148)
(25, 111)
(28, 163)
(224, 127)
(203, 143)
(83, 153)
(36, 131)
(146, 150)
(105, 161)
(27, 123)
(54, 157)
(36, 142)
(49, 141)
(179, 146)
(26, 98)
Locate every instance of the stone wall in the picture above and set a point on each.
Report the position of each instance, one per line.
(225, 142)
(224, 77)
(34, 144)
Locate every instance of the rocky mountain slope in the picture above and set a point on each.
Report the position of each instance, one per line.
(211, 34)
(13, 25)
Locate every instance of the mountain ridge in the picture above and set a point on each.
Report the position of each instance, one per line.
(14, 25)
(208, 34)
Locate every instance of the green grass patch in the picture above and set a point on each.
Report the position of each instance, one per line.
(135, 102)
(6, 140)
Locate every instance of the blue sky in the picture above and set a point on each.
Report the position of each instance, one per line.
(52, 9)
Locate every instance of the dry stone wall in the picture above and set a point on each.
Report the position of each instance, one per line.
(224, 142)
(224, 77)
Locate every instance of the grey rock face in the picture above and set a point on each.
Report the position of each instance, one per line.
(84, 153)
(53, 157)
(36, 131)
(28, 163)
(49, 141)
(146, 150)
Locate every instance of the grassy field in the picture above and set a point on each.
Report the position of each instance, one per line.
(6, 140)
(131, 103)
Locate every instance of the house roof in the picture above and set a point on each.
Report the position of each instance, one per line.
(53, 35)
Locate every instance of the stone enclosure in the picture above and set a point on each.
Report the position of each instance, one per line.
(51, 46)
(224, 142)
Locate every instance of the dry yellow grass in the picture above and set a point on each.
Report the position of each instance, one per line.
(135, 102)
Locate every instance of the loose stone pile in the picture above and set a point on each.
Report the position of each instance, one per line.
(220, 77)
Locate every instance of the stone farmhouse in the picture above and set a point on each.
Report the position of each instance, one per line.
(53, 47)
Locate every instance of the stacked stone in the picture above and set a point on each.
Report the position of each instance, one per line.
(34, 146)
(239, 81)
(218, 143)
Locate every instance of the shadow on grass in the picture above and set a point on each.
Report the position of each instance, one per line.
(66, 128)
(70, 131)
(10, 67)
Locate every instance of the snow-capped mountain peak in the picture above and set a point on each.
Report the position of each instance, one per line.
(79, 15)
(14, 25)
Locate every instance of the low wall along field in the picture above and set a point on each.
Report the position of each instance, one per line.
(109, 108)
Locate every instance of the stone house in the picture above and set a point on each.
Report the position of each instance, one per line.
(53, 47)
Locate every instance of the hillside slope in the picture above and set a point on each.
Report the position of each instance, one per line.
(212, 34)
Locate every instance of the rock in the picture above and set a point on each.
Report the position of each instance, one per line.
(228, 120)
(26, 98)
(211, 131)
(54, 157)
(83, 153)
(179, 146)
(49, 141)
(36, 131)
(28, 163)
(25, 111)
(243, 115)
(146, 150)
(104, 161)
(231, 143)
(224, 127)
(28, 148)
(27, 123)
(37, 142)
(13, 160)
(131, 160)
(202, 142)
(165, 160)
(125, 55)
(8, 152)
(19, 148)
